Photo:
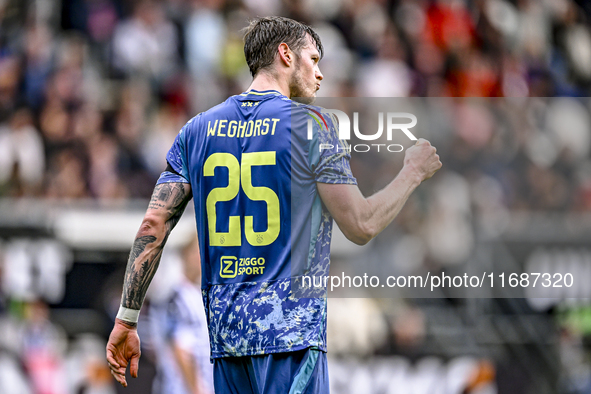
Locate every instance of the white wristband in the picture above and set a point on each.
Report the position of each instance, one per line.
(128, 315)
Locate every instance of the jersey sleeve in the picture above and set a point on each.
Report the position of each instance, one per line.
(176, 170)
(329, 156)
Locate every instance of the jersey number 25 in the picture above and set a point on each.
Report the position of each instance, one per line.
(241, 173)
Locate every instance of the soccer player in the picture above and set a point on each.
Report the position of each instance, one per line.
(264, 199)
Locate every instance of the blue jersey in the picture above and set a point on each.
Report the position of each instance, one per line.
(253, 167)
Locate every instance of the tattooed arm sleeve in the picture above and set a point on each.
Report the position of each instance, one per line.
(166, 207)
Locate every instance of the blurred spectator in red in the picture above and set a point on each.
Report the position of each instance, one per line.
(449, 25)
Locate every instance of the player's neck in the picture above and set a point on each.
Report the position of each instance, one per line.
(264, 81)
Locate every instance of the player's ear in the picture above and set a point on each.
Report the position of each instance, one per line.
(285, 54)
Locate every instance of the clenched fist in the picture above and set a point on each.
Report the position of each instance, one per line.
(422, 159)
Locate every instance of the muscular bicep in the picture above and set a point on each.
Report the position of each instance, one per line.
(348, 207)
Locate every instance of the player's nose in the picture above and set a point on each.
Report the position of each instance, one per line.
(319, 75)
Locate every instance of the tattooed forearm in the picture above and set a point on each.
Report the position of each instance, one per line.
(139, 246)
(168, 201)
(133, 290)
(137, 282)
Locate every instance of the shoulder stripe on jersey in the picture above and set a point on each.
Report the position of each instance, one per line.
(316, 119)
(258, 93)
(320, 116)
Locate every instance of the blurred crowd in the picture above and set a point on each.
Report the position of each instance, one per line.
(93, 93)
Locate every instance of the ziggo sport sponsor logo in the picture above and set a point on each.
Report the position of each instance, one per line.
(344, 125)
(231, 266)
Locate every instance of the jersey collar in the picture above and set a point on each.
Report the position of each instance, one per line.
(261, 92)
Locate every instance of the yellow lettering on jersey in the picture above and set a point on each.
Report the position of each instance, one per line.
(241, 128)
(275, 120)
(257, 128)
(249, 127)
(232, 128)
(222, 125)
(260, 193)
(211, 131)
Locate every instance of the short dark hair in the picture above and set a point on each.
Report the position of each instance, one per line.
(263, 36)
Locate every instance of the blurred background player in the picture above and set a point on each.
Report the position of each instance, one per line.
(179, 333)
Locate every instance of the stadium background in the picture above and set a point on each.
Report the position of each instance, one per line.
(92, 93)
